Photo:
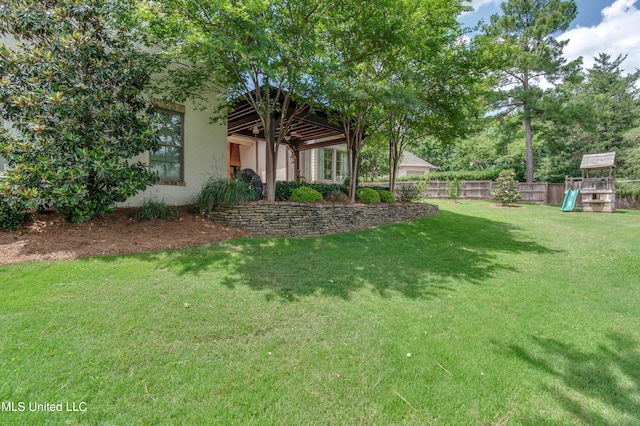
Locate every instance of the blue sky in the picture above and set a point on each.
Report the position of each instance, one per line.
(609, 26)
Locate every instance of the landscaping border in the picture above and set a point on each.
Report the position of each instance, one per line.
(291, 219)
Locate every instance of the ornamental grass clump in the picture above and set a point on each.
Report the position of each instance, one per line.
(219, 191)
(367, 195)
(305, 194)
(152, 209)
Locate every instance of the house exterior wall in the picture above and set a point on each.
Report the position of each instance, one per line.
(205, 155)
(11, 43)
(413, 171)
(254, 157)
(311, 169)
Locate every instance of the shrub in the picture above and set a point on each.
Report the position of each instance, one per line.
(336, 197)
(628, 189)
(453, 188)
(507, 188)
(408, 193)
(490, 174)
(219, 191)
(154, 209)
(368, 195)
(284, 189)
(305, 194)
(13, 212)
(386, 196)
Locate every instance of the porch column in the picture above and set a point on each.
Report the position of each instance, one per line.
(295, 154)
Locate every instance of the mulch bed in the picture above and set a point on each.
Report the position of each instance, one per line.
(50, 237)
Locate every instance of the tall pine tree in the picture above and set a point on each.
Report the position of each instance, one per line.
(527, 30)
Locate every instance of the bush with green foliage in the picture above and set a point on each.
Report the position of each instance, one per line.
(490, 174)
(453, 188)
(152, 209)
(367, 195)
(284, 189)
(408, 192)
(305, 194)
(72, 91)
(631, 189)
(13, 211)
(386, 196)
(336, 197)
(220, 191)
(507, 188)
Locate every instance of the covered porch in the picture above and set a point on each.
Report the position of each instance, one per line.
(246, 147)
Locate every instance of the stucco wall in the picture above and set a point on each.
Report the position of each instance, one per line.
(289, 219)
(205, 155)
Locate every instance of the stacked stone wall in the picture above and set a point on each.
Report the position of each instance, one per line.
(290, 219)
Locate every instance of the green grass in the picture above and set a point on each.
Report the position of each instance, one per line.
(527, 316)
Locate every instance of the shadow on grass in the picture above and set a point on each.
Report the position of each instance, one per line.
(596, 386)
(419, 259)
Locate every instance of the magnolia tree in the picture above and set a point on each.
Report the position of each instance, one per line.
(71, 93)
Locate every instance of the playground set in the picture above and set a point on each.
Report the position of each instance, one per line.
(597, 184)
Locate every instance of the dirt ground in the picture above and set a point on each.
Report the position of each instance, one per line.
(50, 237)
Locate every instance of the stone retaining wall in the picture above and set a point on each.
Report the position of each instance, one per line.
(291, 219)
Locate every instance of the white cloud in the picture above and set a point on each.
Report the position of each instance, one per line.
(477, 4)
(618, 33)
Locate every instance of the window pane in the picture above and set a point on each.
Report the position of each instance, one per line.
(341, 165)
(327, 164)
(172, 154)
(167, 159)
(158, 154)
(159, 169)
(172, 170)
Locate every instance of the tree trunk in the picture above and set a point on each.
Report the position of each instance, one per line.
(529, 148)
(353, 154)
(392, 178)
(272, 156)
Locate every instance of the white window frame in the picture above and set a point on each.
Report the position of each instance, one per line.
(334, 165)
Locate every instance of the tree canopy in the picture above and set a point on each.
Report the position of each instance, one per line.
(343, 55)
(259, 51)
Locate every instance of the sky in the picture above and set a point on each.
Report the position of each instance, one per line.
(607, 26)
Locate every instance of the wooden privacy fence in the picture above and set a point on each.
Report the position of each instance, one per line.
(536, 192)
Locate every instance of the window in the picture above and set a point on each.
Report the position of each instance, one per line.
(167, 160)
(2, 167)
(327, 164)
(332, 165)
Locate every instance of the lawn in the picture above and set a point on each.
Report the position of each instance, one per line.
(475, 316)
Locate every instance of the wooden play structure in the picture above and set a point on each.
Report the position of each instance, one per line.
(597, 185)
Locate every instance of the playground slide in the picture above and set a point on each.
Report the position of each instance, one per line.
(570, 200)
